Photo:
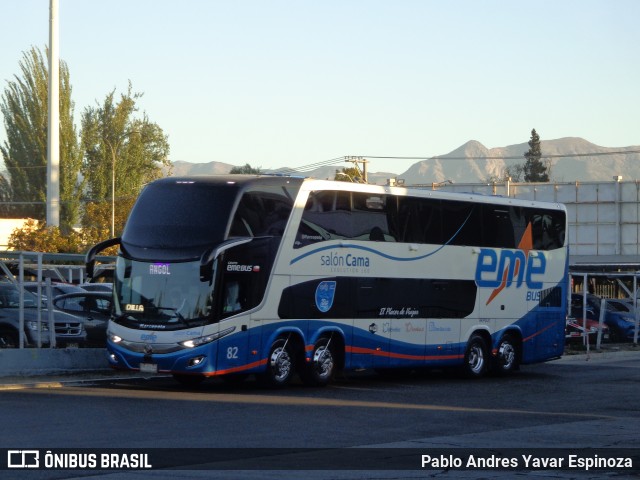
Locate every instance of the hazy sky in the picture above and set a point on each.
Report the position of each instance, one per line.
(290, 83)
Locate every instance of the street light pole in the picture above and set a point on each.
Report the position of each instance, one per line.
(113, 192)
(113, 149)
(53, 127)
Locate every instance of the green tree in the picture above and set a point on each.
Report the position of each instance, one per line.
(25, 110)
(351, 174)
(246, 169)
(37, 237)
(122, 152)
(534, 169)
(514, 172)
(5, 198)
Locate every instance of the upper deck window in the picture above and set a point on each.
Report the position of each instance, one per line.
(262, 210)
(330, 215)
(335, 215)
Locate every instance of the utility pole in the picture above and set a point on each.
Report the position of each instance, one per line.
(53, 136)
(356, 161)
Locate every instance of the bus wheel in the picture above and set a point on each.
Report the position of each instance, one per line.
(322, 367)
(507, 358)
(476, 358)
(280, 365)
(188, 380)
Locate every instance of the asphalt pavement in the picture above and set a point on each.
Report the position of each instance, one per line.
(607, 353)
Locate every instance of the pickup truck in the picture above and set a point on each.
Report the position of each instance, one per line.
(69, 329)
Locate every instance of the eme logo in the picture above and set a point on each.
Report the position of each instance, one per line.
(512, 266)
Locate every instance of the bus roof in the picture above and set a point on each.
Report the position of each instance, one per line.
(243, 181)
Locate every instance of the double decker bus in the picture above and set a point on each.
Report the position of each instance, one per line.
(280, 276)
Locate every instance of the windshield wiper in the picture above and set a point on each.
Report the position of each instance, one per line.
(189, 323)
(125, 316)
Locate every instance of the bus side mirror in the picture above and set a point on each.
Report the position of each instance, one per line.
(90, 257)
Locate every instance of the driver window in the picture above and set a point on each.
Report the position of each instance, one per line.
(232, 298)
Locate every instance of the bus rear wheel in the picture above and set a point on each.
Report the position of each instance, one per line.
(280, 365)
(320, 371)
(476, 357)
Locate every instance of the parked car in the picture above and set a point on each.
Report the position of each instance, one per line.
(57, 288)
(93, 307)
(621, 323)
(575, 327)
(69, 330)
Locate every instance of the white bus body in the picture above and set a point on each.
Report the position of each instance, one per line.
(273, 276)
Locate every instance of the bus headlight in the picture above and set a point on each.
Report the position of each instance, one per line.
(196, 342)
(115, 338)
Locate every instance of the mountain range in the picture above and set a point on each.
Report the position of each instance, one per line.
(571, 159)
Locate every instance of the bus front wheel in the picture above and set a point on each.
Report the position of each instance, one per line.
(476, 357)
(319, 372)
(280, 365)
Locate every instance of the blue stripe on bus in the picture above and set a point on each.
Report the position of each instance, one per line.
(368, 249)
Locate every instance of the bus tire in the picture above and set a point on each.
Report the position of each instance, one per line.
(507, 357)
(320, 370)
(476, 357)
(188, 380)
(280, 365)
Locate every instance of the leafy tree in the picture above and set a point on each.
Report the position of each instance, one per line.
(37, 237)
(5, 197)
(122, 152)
(96, 221)
(514, 172)
(25, 110)
(246, 169)
(511, 172)
(351, 174)
(534, 169)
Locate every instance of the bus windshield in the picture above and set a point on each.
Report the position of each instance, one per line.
(170, 295)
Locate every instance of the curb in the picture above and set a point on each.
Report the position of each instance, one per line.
(25, 362)
(606, 353)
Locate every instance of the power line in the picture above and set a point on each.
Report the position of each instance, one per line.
(312, 166)
(520, 157)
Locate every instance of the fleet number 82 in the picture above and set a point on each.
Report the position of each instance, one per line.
(232, 353)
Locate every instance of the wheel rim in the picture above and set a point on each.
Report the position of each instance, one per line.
(508, 355)
(323, 362)
(280, 362)
(476, 359)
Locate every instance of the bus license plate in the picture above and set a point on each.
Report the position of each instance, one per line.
(149, 368)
